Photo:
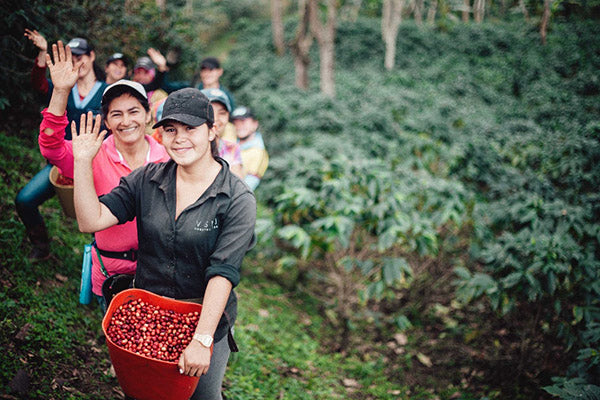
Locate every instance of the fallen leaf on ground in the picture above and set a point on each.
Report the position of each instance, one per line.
(401, 339)
(263, 313)
(61, 278)
(351, 383)
(426, 361)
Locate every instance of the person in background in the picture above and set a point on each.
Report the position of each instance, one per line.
(228, 150)
(195, 220)
(85, 96)
(126, 113)
(255, 158)
(210, 74)
(144, 72)
(116, 68)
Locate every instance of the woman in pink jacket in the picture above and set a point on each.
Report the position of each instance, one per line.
(126, 113)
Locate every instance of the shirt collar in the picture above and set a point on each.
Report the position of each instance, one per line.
(165, 177)
(155, 150)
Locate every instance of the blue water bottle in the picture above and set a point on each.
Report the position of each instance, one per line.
(85, 290)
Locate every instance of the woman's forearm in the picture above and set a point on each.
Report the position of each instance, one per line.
(58, 102)
(92, 216)
(213, 305)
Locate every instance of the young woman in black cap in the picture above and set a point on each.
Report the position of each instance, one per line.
(195, 224)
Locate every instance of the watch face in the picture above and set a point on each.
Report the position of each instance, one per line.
(205, 340)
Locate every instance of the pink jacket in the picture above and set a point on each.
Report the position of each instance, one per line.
(108, 168)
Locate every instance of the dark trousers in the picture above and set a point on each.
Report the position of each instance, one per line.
(37, 191)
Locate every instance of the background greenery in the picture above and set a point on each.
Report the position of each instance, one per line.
(432, 232)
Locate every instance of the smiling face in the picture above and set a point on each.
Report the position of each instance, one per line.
(245, 128)
(210, 77)
(127, 119)
(143, 76)
(221, 117)
(188, 145)
(115, 71)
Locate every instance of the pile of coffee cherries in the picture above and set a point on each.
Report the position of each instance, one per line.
(63, 180)
(152, 331)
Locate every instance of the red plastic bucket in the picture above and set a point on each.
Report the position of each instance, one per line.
(145, 378)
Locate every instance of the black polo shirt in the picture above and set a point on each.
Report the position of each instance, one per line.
(210, 237)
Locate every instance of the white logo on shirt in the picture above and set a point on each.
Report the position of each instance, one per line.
(206, 226)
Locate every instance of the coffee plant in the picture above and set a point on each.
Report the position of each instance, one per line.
(477, 136)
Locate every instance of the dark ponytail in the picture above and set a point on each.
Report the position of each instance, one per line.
(214, 148)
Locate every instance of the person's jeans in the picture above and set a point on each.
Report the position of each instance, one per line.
(209, 385)
(37, 191)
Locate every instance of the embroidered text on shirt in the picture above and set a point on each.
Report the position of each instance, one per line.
(205, 226)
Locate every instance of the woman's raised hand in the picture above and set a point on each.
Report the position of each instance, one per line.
(63, 71)
(87, 142)
(37, 39)
(158, 59)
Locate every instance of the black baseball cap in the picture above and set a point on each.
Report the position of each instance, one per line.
(79, 46)
(188, 106)
(242, 113)
(115, 57)
(210, 63)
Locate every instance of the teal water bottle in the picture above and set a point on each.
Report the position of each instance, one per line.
(85, 290)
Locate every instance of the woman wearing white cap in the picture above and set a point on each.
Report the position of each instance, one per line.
(126, 112)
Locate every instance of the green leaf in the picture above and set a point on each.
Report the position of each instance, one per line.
(403, 322)
(462, 273)
(297, 237)
(512, 279)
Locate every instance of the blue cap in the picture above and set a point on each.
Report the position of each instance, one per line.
(217, 95)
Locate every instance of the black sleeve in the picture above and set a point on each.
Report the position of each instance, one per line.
(121, 201)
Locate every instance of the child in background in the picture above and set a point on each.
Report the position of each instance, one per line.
(255, 158)
(116, 68)
(228, 150)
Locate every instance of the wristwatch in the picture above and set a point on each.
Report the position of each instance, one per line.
(205, 340)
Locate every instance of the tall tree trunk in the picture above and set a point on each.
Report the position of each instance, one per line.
(325, 34)
(391, 17)
(545, 20)
(432, 11)
(277, 26)
(465, 11)
(478, 10)
(419, 7)
(301, 45)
